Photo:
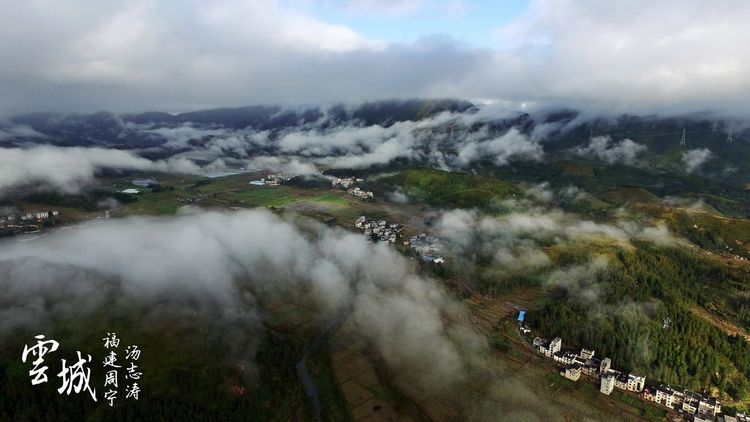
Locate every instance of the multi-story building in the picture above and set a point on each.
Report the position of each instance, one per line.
(695, 404)
(567, 358)
(605, 365)
(669, 397)
(555, 345)
(709, 406)
(607, 384)
(690, 402)
(636, 383)
(572, 372)
(549, 349)
(621, 381)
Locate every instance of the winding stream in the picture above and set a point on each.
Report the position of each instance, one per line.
(304, 374)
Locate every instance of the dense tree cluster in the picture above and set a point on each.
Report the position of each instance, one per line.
(643, 320)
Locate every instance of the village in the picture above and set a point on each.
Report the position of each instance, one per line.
(424, 245)
(382, 230)
(270, 180)
(27, 222)
(427, 247)
(349, 183)
(688, 405)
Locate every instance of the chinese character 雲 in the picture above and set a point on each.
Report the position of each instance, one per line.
(41, 348)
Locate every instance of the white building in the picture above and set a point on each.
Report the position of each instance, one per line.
(568, 358)
(690, 402)
(572, 372)
(636, 383)
(607, 384)
(587, 354)
(709, 406)
(550, 349)
(668, 396)
(555, 345)
(621, 381)
(605, 365)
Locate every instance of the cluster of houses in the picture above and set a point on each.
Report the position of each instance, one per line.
(739, 417)
(427, 247)
(345, 182)
(690, 404)
(193, 199)
(29, 216)
(349, 183)
(27, 222)
(381, 230)
(359, 193)
(686, 401)
(270, 180)
(39, 215)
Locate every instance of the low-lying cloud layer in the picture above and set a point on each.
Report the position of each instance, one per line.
(695, 158)
(446, 140)
(603, 148)
(225, 265)
(67, 169)
(525, 240)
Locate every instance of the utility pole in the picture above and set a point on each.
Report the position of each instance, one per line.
(683, 141)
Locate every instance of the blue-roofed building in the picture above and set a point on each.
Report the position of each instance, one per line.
(521, 315)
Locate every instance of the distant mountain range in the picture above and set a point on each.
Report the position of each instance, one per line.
(562, 133)
(111, 130)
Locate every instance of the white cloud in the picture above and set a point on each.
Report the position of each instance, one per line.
(666, 57)
(603, 148)
(222, 266)
(67, 169)
(512, 145)
(14, 131)
(695, 158)
(386, 7)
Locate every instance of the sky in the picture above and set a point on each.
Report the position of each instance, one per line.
(470, 22)
(666, 57)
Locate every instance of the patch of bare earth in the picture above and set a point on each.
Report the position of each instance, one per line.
(724, 325)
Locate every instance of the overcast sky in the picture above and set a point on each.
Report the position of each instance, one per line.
(636, 56)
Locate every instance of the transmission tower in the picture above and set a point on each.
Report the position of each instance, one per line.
(683, 141)
(730, 139)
